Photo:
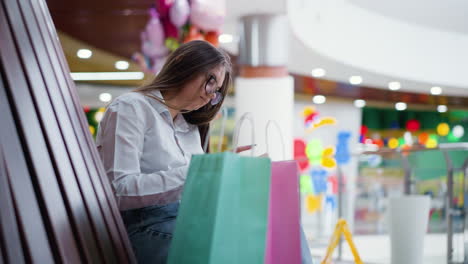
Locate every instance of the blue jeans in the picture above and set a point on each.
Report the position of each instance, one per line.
(150, 231)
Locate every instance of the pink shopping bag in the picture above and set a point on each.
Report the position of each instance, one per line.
(283, 235)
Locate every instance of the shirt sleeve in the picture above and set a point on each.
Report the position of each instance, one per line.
(121, 146)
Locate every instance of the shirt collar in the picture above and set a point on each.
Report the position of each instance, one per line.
(180, 124)
(160, 107)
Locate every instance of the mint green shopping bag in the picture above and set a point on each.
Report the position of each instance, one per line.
(224, 210)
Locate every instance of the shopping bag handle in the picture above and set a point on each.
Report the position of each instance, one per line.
(273, 122)
(235, 140)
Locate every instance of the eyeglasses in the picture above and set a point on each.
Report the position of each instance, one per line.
(211, 87)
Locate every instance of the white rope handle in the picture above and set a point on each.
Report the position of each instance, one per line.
(270, 122)
(235, 140)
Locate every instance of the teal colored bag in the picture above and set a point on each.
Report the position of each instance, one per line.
(224, 211)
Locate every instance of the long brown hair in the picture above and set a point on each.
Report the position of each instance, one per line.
(186, 63)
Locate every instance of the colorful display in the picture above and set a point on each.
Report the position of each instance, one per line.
(173, 22)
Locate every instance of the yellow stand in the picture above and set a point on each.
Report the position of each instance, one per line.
(341, 229)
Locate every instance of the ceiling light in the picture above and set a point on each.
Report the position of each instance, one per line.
(394, 86)
(318, 72)
(121, 65)
(355, 80)
(436, 90)
(84, 53)
(442, 108)
(359, 103)
(319, 99)
(225, 38)
(105, 97)
(101, 76)
(400, 106)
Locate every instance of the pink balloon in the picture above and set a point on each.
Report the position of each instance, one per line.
(153, 37)
(150, 50)
(208, 15)
(170, 30)
(163, 7)
(146, 47)
(179, 12)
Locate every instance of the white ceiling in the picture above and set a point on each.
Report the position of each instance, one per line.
(420, 44)
(446, 15)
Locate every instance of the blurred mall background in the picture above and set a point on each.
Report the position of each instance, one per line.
(352, 84)
(391, 74)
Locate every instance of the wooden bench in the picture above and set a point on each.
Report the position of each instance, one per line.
(56, 205)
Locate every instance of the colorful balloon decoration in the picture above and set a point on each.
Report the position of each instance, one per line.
(401, 141)
(309, 111)
(314, 151)
(393, 143)
(305, 183)
(333, 182)
(432, 142)
(314, 203)
(300, 154)
(99, 114)
(364, 130)
(319, 179)
(331, 200)
(179, 12)
(311, 120)
(193, 34)
(322, 122)
(379, 142)
(213, 38)
(173, 22)
(458, 131)
(422, 138)
(170, 30)
(362, 134)
(92, 130)
(443, 129)
(208, 15)
(153, 37)
(342, 148)
(413, 125)
(328, 159)
(451, 137)
(408, 138)
(320, 156)
(163, 7)
(394, 124)
(309, 115)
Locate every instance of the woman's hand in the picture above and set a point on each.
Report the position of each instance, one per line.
(244, 148)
